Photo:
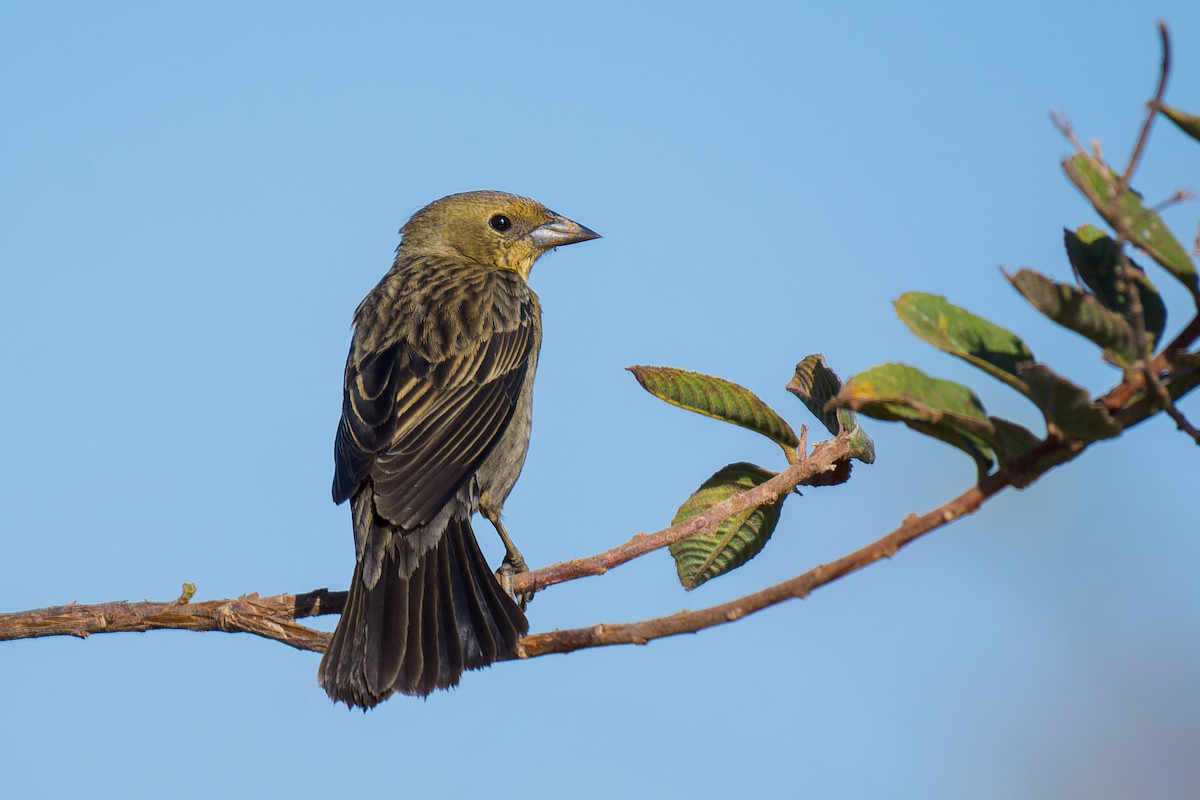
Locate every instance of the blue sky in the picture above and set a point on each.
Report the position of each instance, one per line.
(195, 199)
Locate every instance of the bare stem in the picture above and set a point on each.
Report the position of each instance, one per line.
(825, 458)
(799, 587)
(270, 617)
(1152, 107)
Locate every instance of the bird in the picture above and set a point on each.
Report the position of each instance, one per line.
(435, 425)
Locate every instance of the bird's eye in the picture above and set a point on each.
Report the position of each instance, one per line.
(499, 222)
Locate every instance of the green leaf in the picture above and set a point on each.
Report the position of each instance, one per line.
(736, 540)
(1123, 210)
(1188, 123)
(1080, 312)
(943, 409)
(1013, 442)
(1093, 256)
(816, 384)
(1068, 408)
(717, 398)
(957, 331)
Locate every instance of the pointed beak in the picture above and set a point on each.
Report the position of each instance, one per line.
(560, 231)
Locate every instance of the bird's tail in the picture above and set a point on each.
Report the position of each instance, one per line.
(416, 634)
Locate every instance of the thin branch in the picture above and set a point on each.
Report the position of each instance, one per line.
(270, 617)
(273, 617)
(1135, 313)
(1136, 316)
(1119, 395)
(825, 458)
(799, 587)
(1152, 107)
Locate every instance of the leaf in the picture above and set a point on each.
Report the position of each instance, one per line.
(1013, 442)
(1093, 255)
(1123, 210)
(737, 539)
(1068, 408)
(1080, 312)
(816, 384)
(1188, 123)
(957, 331)
(943, 409)
(717, 398)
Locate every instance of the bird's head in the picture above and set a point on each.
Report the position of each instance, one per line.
(493, 229)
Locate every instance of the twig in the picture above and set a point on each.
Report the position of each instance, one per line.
(273, 617)
(270, 617)
(799, 587)
(1120, 394)
(1135, 312)
(1136, 317)
(825, 457)
(1152, 107)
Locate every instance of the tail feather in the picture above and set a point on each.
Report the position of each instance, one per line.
(417, 634)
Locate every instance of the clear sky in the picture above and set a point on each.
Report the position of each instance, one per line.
(196, 196)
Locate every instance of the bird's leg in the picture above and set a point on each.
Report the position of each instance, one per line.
(514, 562)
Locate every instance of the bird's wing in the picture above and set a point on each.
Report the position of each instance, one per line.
(418, 427)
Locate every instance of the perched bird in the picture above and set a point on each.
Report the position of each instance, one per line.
(435, 426)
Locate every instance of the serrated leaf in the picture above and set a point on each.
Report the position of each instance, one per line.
(1188, 123)
(1079, 312)
(737, 539)
(1093, 256)
(1124, 210)
(942, 409)
(816, 384)
(717, 398)
(972, 338)
(1068, 408)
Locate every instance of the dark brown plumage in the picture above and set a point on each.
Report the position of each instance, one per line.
(435, 425)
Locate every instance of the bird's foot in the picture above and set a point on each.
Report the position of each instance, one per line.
(514, 564)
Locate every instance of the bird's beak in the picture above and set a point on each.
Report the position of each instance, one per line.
(560, 231)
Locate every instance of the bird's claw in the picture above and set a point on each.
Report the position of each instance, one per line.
(514, 565)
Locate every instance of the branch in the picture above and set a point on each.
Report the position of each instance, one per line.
(1163, 362)
(1135, 312)
(825, 457)
(799, 587)
(274, 617)
(270, 617)
(1152, 107)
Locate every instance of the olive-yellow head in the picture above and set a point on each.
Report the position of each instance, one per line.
(490, 229)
